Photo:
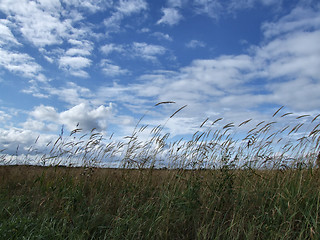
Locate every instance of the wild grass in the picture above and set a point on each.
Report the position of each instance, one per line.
(220, 183)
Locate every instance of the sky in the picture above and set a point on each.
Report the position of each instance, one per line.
(104, 64)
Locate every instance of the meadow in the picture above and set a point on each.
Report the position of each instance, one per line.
(264, 185)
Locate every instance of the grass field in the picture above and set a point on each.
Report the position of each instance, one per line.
(80, 203)
(265, 185)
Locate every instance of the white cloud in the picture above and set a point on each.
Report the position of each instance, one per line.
(226, 72)
(129, 7)
(6, 36)
(35, 90)
(195, 43)
(125, 8)
(81, 48)
(176, 3)
(23, 141)
(12, 138)
(87, 116)
(45, 113)
(71, 93)
(91, 5)
(299, 19)
(74, 65)
(35, 23)
(301, 94)
(147, 51)
(112, 70)
(49, 23)
(144, 30)
(281, 71)
(4, 117)
(109, 48)
(20, 63)
(202, 84)
(161, 36)
(77, 52)
(295, 55)
(136, 49)
(216, 8)
(212, 8)
(171, 16)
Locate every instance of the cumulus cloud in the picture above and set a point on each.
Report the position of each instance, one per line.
(19, 141)
(87, 116)
(171, 16)
(45, 113)
(12, 138)
(39, 126)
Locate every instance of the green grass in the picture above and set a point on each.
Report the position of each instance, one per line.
(60, 203)
(214, 185)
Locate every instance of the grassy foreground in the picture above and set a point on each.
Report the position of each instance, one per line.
(79, 203)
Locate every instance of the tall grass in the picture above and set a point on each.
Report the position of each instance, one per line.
(221, 183)
(270, 144)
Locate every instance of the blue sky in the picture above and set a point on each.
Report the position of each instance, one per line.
(103, 64)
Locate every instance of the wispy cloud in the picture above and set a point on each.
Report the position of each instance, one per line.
(110, 69)
(162, 36)
(6, 36)
(195, 44)
(135, 50)
(80, 48)
(71, 93)
(176, 3)
(300, 19)
(4, 117)
(74, 65)
(91, 5)
(171, 16)
(217, 9)
(212, 8)
(128, 7)
(123, 9)
(20, 63)
(109, 48)
(39, 24)
(282, 70)
(147, 51)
